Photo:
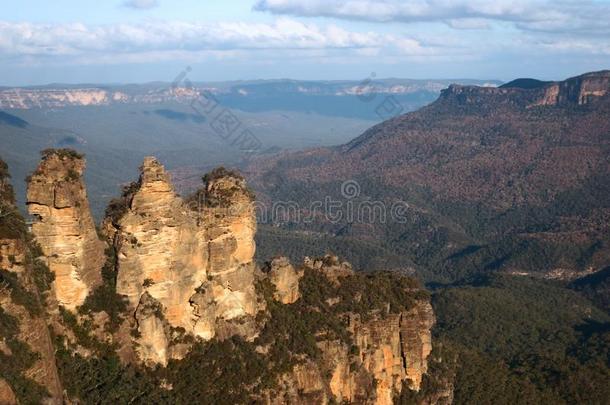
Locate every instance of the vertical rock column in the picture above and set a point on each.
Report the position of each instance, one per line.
(416, 341)
(230, 224)
(162, 260)
(64, 228)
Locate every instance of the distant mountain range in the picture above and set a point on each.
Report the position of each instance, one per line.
(117, 125)
(254, 96)
(513, 179)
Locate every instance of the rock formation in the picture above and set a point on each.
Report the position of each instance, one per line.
(578, 90)
(285, 279)
(388, 348)
(185, 270)
(64, 228)
(26, 349)
(194, 259)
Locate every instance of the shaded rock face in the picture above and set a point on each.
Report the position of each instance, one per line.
(228, 217)
(7, 396)
(152, 328)
(391, 350)
(34, 332)
(416, 341)
(285, 279)
(64, 228)
(193, 259)
(305, 384)
(24, 320)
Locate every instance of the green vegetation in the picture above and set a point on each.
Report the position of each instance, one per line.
(219, 173)
(11, 222)
(207, 196)
(104, 297)
(72, 175)
(14, 365)
(291, 331)
(362, 254)
(62, 153)
(232, 371)
(117, 207)
(19, 294)
(596, 287)
(520, 340)
(7, 196)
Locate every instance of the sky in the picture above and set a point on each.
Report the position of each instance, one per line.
(137, 41)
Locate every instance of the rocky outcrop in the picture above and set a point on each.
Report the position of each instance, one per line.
(227, 215)
(285, 279)
(160, 248)
(387, 348)
(153, 334)
(391, 349)
(64, 228)
(194, 259)
(185, 269)
(26, 347)
(579, 90)
(331, 267)
(305, 385)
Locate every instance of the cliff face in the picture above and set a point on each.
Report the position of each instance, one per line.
(388, 346)
(319, 333)
(285, 279)
(579, 90)
(64, 228)
(391, 350)
(26, 350)
(195, 261)
(65, 97)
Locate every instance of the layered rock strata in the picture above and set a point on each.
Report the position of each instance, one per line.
(64, 227)
(387, 350)
(194, 259)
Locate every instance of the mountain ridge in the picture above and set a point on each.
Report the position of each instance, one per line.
(486, 164)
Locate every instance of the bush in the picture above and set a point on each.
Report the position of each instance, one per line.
(14, 366)
(104, 297)
(63, 153)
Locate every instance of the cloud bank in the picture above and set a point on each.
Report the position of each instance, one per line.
(284, 40)
(29, 40)
(559, 16)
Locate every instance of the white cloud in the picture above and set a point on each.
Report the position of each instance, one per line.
(282, 40)
(576, 16)
(141, 4)
(129, 41)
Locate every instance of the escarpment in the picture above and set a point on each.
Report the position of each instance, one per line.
(380, 335)
(180, 292)
(63, 226)
(28, 373)
(580, 90)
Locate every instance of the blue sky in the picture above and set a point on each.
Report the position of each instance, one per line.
(138, 41)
